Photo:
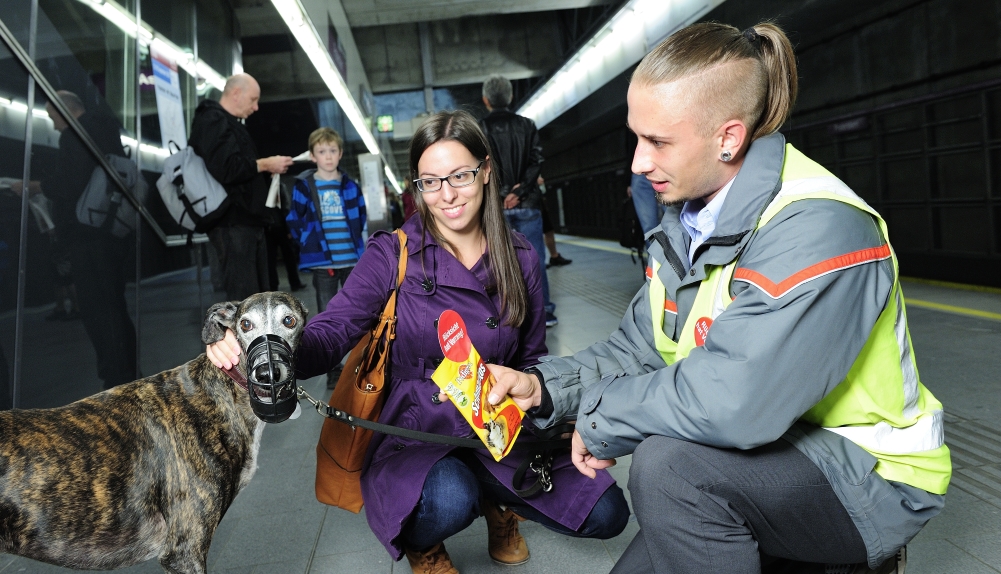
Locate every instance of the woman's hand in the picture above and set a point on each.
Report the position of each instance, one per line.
(224, 353)
(585, 462)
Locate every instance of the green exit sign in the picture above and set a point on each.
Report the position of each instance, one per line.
(384, 123)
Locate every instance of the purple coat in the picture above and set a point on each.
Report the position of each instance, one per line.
(396, 467)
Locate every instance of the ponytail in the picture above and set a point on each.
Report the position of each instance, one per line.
(776, 54)
(750, 75)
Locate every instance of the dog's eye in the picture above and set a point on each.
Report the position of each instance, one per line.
(289, 321)
(246, 325)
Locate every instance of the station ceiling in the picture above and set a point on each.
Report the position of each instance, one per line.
(525, 40)
(467, 40)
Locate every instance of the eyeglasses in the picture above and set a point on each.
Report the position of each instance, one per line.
(458, 179)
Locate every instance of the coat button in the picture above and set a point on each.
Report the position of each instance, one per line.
(692, 272)
(491, 322)
(603, 443)
(594, 425)
(401, 447)
(435, 399)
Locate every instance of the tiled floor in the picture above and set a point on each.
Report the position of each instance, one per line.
(276, 525)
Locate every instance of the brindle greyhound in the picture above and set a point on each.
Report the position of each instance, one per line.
(144, 470)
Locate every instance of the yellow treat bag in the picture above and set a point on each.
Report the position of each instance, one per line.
(466, 380)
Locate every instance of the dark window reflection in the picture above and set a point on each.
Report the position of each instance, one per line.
(13, 113)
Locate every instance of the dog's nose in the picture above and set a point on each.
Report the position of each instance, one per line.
(262, 374)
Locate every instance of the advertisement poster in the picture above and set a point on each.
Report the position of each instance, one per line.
(168, 100)
(370, 167)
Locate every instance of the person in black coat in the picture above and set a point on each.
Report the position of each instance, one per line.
(99, 261)
(219, 137)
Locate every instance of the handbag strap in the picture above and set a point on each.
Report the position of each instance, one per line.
(388, 318)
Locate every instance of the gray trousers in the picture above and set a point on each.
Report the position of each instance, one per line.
(327, 282)
(703, 509)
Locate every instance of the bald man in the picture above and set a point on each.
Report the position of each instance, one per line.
(238, 231)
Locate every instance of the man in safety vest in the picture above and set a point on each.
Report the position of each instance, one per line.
(764, 376)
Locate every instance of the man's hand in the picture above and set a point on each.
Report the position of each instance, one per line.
(525, 389)
(585, 462)
(274, 164)
(511, 201)
(224, 353)
(34, 187)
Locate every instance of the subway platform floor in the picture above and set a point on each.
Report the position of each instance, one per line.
(276, 526)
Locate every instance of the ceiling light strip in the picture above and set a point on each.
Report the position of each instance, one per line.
(305, 33)
(392, 180)
(632, 32)
(126, 22)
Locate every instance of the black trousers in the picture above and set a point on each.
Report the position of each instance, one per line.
(278, 239)
(243, 257)
(704, 509)
(100, 269)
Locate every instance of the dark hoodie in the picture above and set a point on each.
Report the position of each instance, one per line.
(224, 143)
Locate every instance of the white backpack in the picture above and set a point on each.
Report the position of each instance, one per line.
(192, 196)
(102, 203)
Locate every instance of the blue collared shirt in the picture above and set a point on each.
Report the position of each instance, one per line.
(699, 218)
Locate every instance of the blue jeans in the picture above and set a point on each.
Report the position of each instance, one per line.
(648, 210)
(450, 501)
(528, 222)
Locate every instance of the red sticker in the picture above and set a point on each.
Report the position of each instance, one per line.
(702, 330)
(452, 336)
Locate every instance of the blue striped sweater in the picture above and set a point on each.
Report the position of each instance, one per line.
(304, 221)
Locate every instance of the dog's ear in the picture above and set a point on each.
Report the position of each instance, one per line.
(219, 317)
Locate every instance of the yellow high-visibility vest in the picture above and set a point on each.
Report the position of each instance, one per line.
(881, 404)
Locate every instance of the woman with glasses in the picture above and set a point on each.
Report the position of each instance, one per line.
(462, 256)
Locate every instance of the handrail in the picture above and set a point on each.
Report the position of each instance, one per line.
(18, 51)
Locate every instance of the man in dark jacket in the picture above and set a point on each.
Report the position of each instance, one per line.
(219, 137)
(97, 258)
(516, 158)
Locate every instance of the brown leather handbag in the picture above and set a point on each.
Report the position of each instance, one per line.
(341, 451)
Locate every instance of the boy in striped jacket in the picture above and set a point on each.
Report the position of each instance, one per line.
(328, 221)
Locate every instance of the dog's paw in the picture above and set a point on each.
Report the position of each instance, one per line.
(219, 317)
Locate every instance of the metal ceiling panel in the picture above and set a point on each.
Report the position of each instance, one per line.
(363, 13)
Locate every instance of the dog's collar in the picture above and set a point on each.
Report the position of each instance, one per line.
(238, 377)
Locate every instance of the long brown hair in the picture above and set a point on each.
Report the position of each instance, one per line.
(749, 75)
(461, 127)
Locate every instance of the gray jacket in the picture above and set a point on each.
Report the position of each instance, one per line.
(767, 361)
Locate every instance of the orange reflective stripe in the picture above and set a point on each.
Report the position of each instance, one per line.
(670, 306)
(812, 272)
(649, 272)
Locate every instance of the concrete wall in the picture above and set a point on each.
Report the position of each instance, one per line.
(895, 97)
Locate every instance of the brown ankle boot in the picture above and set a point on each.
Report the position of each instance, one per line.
(507, 546)
(434, 561)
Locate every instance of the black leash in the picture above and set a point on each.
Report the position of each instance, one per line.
(540, 461)
(341, 416)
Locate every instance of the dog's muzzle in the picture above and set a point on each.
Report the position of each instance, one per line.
(271, 379)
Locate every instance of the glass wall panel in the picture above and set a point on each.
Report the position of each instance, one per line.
(97, 301)
(13, 113)
(77, 307)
